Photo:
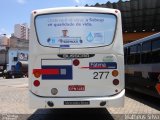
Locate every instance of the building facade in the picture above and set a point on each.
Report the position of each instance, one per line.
(4, 41)
(21, 31)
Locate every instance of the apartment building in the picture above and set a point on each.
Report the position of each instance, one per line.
(21, 31)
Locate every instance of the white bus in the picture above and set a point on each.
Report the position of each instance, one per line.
(76, 58)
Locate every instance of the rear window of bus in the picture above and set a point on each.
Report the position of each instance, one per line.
(75, 30)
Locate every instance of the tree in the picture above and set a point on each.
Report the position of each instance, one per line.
(86, 5)
(97, 5)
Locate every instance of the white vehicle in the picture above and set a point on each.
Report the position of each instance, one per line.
(76, 58)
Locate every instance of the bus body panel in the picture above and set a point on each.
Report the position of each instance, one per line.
(111, 101)
(97, 81)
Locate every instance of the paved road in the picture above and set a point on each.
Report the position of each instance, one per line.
(21, 82)
(14, 100)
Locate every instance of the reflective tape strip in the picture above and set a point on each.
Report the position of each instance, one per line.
(47, 71)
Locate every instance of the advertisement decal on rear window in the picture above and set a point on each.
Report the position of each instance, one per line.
(75, 29)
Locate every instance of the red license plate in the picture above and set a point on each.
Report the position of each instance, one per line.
(76, 88)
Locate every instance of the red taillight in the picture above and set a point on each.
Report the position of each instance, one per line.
(37, 74)
(36, 83)
(76, 62)
(115, 81)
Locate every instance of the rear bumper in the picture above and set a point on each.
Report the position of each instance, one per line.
(94, 102)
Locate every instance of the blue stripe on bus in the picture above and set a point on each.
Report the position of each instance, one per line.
(65, 72)
(102, 65)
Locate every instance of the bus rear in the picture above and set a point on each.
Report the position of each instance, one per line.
(76, 58)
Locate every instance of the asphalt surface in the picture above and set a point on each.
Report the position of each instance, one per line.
(14, 105)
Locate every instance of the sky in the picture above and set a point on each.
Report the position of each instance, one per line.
(18, 11)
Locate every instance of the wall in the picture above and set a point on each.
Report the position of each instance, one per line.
(18, 43)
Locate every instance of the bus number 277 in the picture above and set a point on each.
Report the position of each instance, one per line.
(100, 75)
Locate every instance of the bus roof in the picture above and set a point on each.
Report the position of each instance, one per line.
(75, 9)
(143, 39)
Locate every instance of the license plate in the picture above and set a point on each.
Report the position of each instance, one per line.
(76, 102)
(76, 88)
